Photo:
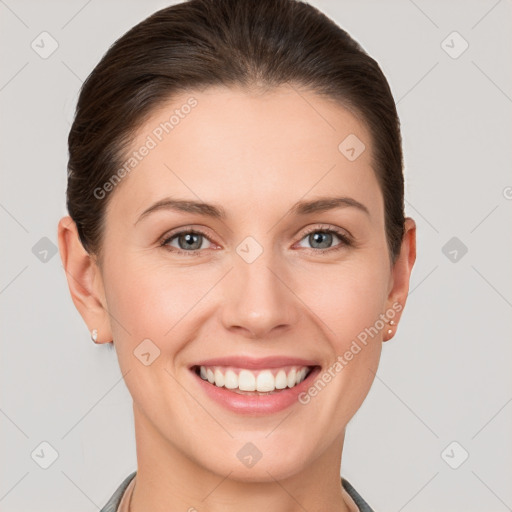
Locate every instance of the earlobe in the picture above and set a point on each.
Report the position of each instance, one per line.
(84, 280)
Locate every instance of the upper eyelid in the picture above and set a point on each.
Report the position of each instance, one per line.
(172, 234)
(327, 227)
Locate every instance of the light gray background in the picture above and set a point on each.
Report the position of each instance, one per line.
(446, 375)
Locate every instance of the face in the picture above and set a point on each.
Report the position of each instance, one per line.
(275, 268)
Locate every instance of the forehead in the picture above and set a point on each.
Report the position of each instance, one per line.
(250, 148)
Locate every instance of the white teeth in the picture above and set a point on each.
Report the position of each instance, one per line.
(231, 380)
(281, 380)
(261, 381)
(265, 381)
(219, 378)
(292, 378)
(246, 381)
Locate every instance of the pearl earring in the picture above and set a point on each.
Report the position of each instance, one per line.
(390, 331)
(94, 335)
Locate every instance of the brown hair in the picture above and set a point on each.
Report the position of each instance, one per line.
(201, 43)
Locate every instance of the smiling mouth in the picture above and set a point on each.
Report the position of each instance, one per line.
(254, 382)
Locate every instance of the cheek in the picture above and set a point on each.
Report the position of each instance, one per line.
(150, 302)
(348, 305)
(348, 297)
(150, 299)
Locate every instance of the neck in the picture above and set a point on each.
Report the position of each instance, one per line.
(169, 480)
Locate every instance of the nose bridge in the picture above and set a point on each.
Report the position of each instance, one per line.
(256, 299)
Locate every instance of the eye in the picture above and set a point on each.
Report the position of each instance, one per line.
(189, 242)
(322, 238)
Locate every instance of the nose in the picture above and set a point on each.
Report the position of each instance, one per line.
(258, 298)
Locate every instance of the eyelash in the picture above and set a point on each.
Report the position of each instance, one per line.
(345, 241)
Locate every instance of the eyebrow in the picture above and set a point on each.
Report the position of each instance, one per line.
(218, 212)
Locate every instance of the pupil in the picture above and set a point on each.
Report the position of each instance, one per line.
(189, 241)
(318, 237)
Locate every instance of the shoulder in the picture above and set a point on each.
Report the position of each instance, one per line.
(358, 499)
(113, 503)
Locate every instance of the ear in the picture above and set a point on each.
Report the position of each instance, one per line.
(401, 270)
(84, 280)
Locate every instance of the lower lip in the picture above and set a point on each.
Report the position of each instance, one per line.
(256, 404)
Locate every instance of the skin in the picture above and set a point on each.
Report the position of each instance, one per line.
(255, 154)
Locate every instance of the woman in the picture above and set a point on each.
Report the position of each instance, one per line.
(236, 229)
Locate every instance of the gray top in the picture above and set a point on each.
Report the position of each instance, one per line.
(114, 501)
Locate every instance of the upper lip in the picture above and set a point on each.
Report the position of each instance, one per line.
(256, 363)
